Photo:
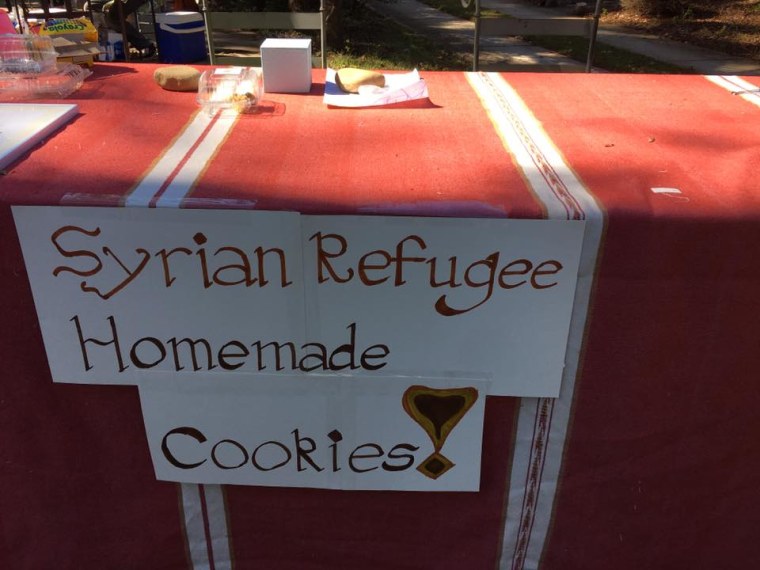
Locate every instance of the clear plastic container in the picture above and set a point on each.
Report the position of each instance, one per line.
(237, 89)
(26, 53)
(58, 83)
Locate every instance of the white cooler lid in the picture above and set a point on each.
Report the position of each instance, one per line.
(178, 17)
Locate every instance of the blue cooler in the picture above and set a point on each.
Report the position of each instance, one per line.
(181, 37)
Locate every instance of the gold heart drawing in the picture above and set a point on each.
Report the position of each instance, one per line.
(437, 411)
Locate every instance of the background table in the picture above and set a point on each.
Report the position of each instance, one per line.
(650, 459)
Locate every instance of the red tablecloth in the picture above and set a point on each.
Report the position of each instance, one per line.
(650, 459)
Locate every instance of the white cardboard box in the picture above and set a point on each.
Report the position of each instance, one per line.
(286, 65)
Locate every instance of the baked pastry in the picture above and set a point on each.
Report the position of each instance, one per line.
(177, 78)
(349, 79)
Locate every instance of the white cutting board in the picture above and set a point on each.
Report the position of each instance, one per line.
(24, 125)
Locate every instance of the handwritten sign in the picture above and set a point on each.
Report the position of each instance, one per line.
(333, 433)
(121, 293)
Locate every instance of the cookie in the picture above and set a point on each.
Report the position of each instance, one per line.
(177, 78)
(349, 79)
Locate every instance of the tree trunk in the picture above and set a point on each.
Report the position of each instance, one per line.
(333, 17)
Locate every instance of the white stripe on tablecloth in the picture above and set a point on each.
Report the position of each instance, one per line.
(203, 506)
(196, 163)
(737, 86)
(152, 182)
(216, 512)
(542, 423)
(195, 528)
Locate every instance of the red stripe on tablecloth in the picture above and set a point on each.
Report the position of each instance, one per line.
(533, 479)
(660, 468)
(444, 158)
(206, 530)
(531, 482)
(182, 162)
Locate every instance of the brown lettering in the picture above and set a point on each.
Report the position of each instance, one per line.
(557, 267)
(383, 351)
(243, 268)
(377, 452)
(283, 447)
(365, 265)
(235, 444)
(277, 348)
(303, 453)
(114, 341)
(260, 254)
(191, 343)
(323, 258)
(189, 432)
(400, 259)
(76, 253)
(224, 355)
(407, 457)
(150, 341)
(164, 255)
(508, 270)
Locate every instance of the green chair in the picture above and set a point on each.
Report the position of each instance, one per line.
(564, 26)
(242, 22)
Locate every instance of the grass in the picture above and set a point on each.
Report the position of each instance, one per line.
(729, 26)
(455, 8)
(372, 41)
(605, 57)
(369, 41)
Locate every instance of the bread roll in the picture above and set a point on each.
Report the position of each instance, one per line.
(349, 79)
(177, 78)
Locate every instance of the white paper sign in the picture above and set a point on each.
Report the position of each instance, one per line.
(127, 291)
(333, 433)
(448, 295)
(124, 290)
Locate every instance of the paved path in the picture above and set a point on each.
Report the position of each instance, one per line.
(510, 53)
(501, 53)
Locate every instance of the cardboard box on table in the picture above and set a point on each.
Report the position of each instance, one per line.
(75, 41)
(79, 52)
(286, 65)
